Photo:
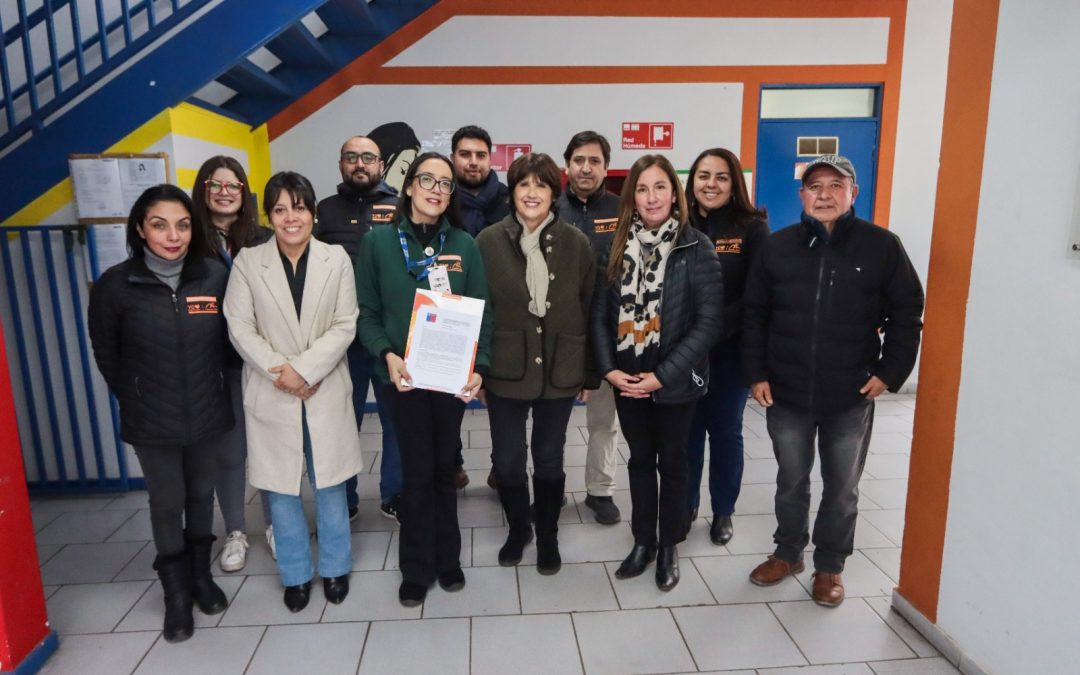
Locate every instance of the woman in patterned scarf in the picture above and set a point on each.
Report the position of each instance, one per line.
(654, 319)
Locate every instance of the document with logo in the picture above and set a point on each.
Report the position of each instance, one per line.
(443, 334)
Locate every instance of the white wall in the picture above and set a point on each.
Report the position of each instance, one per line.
(1008, 588)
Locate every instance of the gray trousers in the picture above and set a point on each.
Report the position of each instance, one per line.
(231, 451)
(600, 459)
(843, 440)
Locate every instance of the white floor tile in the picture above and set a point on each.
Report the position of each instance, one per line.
(222, 651)
(861, 578)
(576, 588)
(488, 591)
(850, 632)
(260, 602)
(92, 608)
(631, 641)
(62, 504)
(887, 466)
(729, 580)
(149, 612)
(907, 633)
(753, 534)
(417, 647)
(752, 637)
(88, 563)
(888, 494)
(833, 669)
(103, 654)
(141, 566)
(641, 592)
(477, 459)
(480, 511)
(369, 550)
(886, 559)
(324, 649)
(82, 527)
(889, 522)
(592, 542)
(40, 519)
(47, 551)
(889, 443)
(370, 518)
(758, 448)
(758, 498)
(136, 528)
(697, 542)
(524, 644)
(373, 596)
(890, 408)
(935, 666)
(759, 471)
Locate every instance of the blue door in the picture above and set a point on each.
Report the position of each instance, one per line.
(787, 145)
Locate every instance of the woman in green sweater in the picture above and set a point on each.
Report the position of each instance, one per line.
(426, 241)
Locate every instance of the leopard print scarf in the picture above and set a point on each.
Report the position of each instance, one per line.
(644, 261)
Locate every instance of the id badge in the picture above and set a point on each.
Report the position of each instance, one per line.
(439, 279)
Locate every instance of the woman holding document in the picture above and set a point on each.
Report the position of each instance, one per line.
(542, 272)
(426, 249)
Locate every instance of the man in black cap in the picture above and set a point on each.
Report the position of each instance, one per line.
(817, 299)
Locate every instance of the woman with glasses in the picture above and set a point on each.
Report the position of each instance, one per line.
(223, 202)
(159, 341)
(541, 271)
(653, 322)
(720, 206)
(426, 248)
(291, 306)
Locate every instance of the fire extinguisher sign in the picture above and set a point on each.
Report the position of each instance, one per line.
(648, 135)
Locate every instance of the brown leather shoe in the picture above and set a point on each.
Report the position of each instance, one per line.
(461, 478)
(773, 571)
(828, 589)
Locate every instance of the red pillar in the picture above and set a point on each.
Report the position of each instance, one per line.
(25, 637)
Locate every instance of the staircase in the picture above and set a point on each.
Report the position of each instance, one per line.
(79, 75)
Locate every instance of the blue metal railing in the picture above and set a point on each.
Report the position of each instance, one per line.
(69, 423)
(109, 43)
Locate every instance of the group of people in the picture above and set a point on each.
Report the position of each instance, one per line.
(229, 345)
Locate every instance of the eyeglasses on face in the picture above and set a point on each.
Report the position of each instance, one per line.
(428, 182)
(365, 157)
(232, 187)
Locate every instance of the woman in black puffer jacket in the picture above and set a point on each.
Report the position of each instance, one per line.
(160, 341)
(656, 313)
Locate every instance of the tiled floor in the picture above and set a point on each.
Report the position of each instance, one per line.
(105, 602)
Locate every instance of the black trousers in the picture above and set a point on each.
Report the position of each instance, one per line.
(180, 483)
(508, 445)
(428, 426)
(657, 435)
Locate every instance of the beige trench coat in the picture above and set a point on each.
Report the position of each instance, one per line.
(265, 331)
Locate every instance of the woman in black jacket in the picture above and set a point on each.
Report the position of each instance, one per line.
(653, 321)
(720, 206)
(224, 204)
(160, 341)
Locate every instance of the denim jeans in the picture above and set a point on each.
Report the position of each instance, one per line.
(720, 413)
(291, 534)
(508, 445)
(362, 370)
(843, 439)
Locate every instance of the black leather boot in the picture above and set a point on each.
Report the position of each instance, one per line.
(721, 531)
(635, 563)
(208, 596)
(549, 496)
(515, 502)
(175, 574)
(667, 568)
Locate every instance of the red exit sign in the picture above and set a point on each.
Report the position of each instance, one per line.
(648, 135)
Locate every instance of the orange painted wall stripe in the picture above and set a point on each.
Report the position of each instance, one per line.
(368, 68)
(963, 142)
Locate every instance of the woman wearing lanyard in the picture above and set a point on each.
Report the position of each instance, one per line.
(653, 322)
(542, 272)
(425, 249)
(291, 307)
(223, 201)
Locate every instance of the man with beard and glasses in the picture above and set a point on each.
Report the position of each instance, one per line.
(363, 201)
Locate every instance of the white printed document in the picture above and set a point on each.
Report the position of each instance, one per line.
(443, 335)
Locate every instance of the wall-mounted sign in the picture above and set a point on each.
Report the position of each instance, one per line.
(648, 135)
(504, 154)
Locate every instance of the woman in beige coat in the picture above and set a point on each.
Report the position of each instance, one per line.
(291, 309)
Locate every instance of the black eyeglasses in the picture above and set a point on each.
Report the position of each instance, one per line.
(429, 182)
(365, 157)
(216, 186)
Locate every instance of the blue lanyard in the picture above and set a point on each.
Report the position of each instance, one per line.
(425, 263)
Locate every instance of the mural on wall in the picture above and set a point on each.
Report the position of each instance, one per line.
(399, 147)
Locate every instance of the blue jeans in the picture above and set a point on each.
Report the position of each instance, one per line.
(362, 370)
(720, 413)
(842, 439)
(293, 538)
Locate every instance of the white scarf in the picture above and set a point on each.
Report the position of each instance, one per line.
(644, 263)
(536, 269)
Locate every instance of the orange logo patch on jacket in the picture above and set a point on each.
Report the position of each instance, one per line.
(452, 262)
(202, 304)
(729, 245)
(605, 225)
(383, 213)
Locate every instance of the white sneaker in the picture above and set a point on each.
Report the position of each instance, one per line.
(270, 542)
(234, 553)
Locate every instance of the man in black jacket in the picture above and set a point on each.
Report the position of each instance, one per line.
(816, 299)
(362, 202)
(595, 211)
(482, 199)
